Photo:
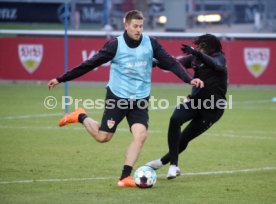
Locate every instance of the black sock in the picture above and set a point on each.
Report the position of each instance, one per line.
(81, 117)
(126, 171)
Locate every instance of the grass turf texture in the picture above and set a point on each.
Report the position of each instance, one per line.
(33, 148)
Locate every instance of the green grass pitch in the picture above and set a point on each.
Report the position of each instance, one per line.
(233, 162)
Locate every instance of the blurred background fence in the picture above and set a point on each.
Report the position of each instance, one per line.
(32, 31)
(176, 15)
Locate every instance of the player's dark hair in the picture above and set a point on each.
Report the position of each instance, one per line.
(134, 14)
(208, 42)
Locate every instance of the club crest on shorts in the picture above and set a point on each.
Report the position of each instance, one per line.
(256, 60)
(110, 123)
(30, 56)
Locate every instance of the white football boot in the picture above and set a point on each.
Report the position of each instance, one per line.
(172, 172)
(155, 164)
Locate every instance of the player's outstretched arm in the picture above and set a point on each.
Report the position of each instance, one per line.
(52, 83)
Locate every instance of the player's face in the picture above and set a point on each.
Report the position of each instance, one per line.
(202, 47)
(134, 28)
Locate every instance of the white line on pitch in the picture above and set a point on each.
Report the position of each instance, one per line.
(30, 116)
(234, 135)
(58, 128)
(38, 115)
(156, 131)
(160, 175)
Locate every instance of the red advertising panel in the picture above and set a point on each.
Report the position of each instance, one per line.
(42, 58)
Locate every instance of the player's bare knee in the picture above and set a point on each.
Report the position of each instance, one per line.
(104, 137)
(140, 137)
(143, 137)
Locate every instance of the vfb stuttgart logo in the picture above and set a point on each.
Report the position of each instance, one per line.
(256, 60)
(30, 56)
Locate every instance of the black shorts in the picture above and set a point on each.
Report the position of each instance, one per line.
(116, 108)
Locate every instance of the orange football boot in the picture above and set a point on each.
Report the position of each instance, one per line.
(71, 117)
(127, 182)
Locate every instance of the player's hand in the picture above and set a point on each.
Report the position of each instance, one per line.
(52, 83)
(186, 49)
(197, 83)
(154, 62)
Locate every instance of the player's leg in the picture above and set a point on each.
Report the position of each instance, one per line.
(192, 130)
(138, 123)
(139, 135)
(112, 116)
(93, 128)
(100, 132)
(202, 122)
(91, 125)
(182, 113)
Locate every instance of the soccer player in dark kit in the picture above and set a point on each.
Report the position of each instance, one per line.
(131, 55)
(203, 107)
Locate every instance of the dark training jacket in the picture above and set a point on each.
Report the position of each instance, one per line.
(212, 70)
(108, 52)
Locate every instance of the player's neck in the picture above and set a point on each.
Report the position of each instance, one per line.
(130, 42)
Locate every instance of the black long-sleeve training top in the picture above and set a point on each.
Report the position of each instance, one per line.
(212, 70)
(108, 52)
